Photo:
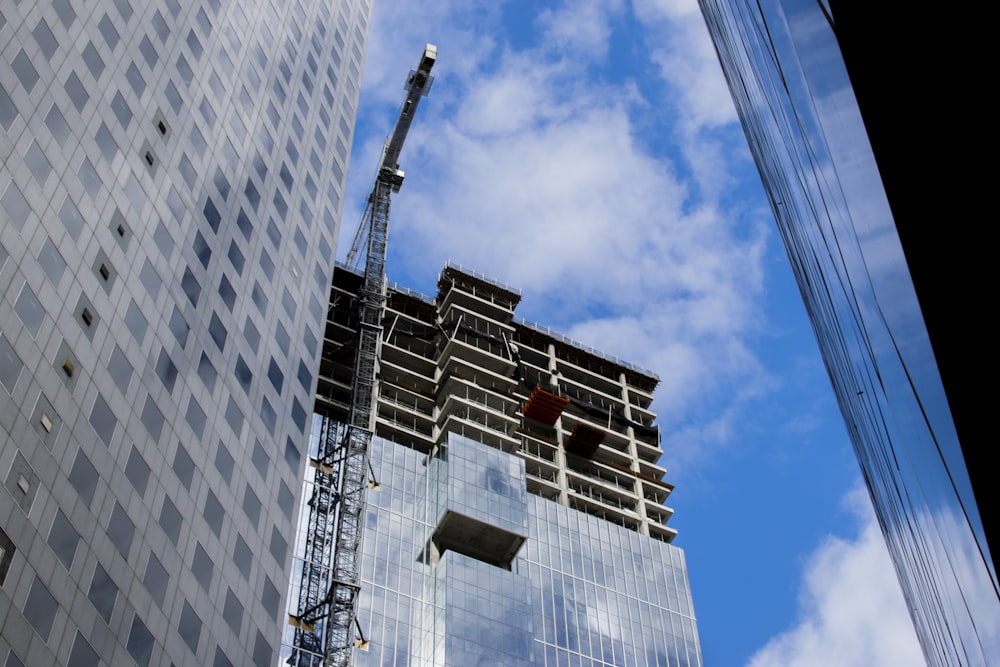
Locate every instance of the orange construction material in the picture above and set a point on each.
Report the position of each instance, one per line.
(585, 440)
(544, 406)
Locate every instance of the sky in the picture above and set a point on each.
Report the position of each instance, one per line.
(588, 154)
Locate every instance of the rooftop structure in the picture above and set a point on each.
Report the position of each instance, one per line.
(505, 457)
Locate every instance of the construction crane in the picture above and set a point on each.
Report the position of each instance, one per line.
(330, 584)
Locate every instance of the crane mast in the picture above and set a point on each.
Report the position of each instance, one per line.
(330, 584)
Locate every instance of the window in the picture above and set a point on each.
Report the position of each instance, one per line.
(25, 71)
(207, 372)
(189, 627)
(218, 332)
(251, 506)
(150, 279)
(29, 310)
(285, 500)
(183, 467)
(82, 654)
(166, 370)
(170, 520)
(40, 609)
(103, 420)
(103, 593)
(195, 417)
(214, 513)
(152, 418)
(234, 417)
(224, 462)
(10, 365)
(232, 613)
(201, 249)
(137, 471)
(270, 598)
(191, 286)
(135, 322)
(243, 373)
(83, 477)
(275, 375)
(179, 327)
(279, 547)
(202, 567)
(140, 642)
(121, 530)
(242, 556)
(63, 539)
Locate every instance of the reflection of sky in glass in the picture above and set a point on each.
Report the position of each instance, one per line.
(581, 591)
(804, 127)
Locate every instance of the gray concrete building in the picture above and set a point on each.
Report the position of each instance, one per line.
(170, 190)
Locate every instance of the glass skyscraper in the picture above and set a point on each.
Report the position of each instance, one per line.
(861, 137)
(516, 515)
(170, 191)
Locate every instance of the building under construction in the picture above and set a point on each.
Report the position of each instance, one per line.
(515, 512)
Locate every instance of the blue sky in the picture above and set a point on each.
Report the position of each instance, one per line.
(589, 154)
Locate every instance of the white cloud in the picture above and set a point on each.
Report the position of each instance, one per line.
(530, 165)
(852, 611)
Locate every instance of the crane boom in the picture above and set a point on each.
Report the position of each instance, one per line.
(328, 596)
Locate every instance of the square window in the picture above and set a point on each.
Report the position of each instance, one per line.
(227, 292)
(183, 467)
(189, 627)
(52, 262)
(275, 375)
(166, 370)
(191, 286)
(242, 556)
(195, 417)
(251, 506)
(82, 654)
(103, 593)
(156, 579)
(25, 71)
(286, 501)
(218, 332)
(103, 420)
(10, 365)
(201, 249)
(83, 477)
(202, 567)
(29, 310)
(76, 91)
(109, 32)
(243, 373)
(63, 539)
(232, 613)
(214, 513)
(135, 322)
(224, 462)
(236, 257)
(140, 642)
(207, 372)
(152, 418)
(179, 327)
(270, 599)
(92, 59)
(251, 335)
(234, 417)
(120, 369)
(40, 609)
(137, 471)
(58, 127)
(121, 530)
(171, 520)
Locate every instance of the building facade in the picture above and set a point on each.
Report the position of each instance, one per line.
(516, 511)
(829, 95)
(170, 192)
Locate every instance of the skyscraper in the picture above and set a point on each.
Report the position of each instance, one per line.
(860, 131)
(516, 513)
(169, 202)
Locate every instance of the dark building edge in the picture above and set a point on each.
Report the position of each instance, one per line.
(919, 78)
